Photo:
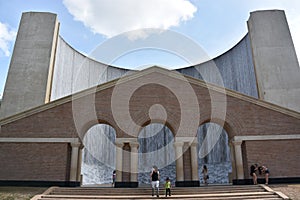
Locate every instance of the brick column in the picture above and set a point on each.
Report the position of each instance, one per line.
(74, 161)
(126, 162)
(119, 160)
(134, 161)
(79, 164)
(238, 159)
(179, 161)
(232, 175)
(194, 160)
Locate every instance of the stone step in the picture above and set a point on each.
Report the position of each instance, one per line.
(235, 196)
(227, 187)
(122, 191)
(208, 192)
(174, 191)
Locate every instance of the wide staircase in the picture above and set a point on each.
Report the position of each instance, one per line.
(207, 192)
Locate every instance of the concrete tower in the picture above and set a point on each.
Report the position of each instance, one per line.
(274, 57)
(29, 77)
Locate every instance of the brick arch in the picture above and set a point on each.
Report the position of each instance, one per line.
(89, 124)
(231, 124)
(165, 123)
(141, 103)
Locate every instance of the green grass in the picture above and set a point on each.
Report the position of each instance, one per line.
(20, 193)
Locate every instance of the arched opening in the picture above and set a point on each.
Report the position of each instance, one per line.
(98, 156)
(156, 148)
(214, 152)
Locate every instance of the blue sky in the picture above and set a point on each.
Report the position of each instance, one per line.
(215, 25)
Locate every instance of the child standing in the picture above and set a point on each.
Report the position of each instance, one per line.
(168, 186)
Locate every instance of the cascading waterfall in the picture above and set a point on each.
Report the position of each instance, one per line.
(218, 159)
(156, 148)
(236, 71)
(98, 154)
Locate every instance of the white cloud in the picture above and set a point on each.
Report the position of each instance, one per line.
(6, 37)
(113, 17)
(142, 33)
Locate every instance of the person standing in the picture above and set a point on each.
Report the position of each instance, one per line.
(266, 172)
(114, 178)
(168, 187)
(155, 181)
(253, 169)
(205, 174)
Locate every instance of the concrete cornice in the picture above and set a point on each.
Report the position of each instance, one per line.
(41, 140)
(265, 137)
(126, 140)
(138, 74)
(186, 139)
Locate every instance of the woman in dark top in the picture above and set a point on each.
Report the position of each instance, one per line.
(253, 169)
(155, 180)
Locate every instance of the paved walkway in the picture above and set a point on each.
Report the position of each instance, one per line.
(291, 190)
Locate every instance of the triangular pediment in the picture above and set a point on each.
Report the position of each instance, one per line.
(138, 74)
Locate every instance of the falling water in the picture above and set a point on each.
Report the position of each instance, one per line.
(156, 148)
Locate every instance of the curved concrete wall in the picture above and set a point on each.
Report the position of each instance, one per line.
(74, 72)
(262, 65)
(235, 67)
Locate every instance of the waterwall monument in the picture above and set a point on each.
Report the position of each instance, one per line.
(54, 95)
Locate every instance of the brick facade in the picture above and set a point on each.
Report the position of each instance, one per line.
(281, 157)
(72, 116)
(34, 162)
